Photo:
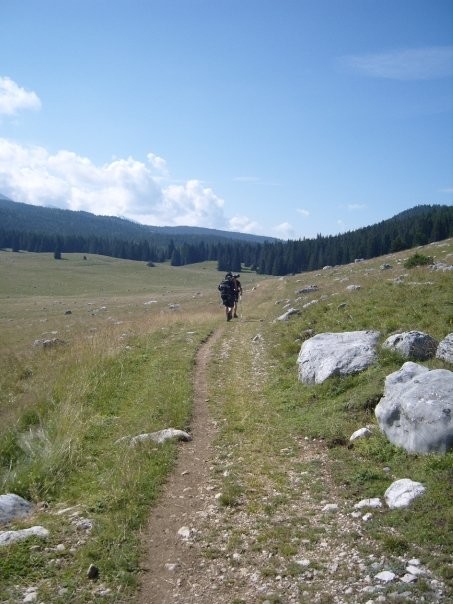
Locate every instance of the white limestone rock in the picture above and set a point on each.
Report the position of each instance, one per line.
(360, 433)
(329, 354)
(8, 537)
(401, 493)
(157, 437)
(12, 506)
(445, 349)
(412, 344)
(416, 411)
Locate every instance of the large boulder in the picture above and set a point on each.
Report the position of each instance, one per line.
(445, 349)
(328, 354)
(416, 411)
(412, 344)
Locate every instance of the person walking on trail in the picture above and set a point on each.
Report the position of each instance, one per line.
(237, 294)
(227, 292)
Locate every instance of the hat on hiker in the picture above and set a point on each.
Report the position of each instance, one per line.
(230, 274)
(236, 275)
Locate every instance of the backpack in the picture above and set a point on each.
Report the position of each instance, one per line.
(226, 287)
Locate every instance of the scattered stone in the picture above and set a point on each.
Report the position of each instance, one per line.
(308, 304)
(93, 572)
(8, 537)
(171, 566)
(303, 562)
(412, 344)
(49, 342)
(307, 290)
(184, 532)
(374, 502)
(13, 506)
(360, 433)
(289, 313)
(158, 437)
(329, 354)
(386, 576)
(445, 349)
(385, 266)
(367, 516)
(442, 266)
(408, 578)
(416, 410)
(30, 595)
(402, 492)
(330, 507)
(414, 570)
(352, 288)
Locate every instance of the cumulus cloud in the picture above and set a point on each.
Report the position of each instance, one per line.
(243, 224)
(408, 64)
(303, 212)
(13, 98)
(123, 187)
(284, 230)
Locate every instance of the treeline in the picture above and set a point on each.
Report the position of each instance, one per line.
(418, 226)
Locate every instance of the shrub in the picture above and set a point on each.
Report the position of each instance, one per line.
(418, 260)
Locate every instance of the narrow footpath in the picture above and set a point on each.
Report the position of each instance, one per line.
(171, 568)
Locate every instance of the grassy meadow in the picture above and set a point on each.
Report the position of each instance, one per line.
(127, 339)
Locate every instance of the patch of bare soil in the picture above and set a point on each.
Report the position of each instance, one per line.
(171, 563)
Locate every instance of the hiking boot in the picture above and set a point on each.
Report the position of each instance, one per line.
(229, 317)
(235, 316)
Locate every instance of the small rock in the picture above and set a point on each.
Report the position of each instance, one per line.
(401, 493)
(184, 532)
(171, 566)
(93, 572)
(408, 578)
(330, 507)
(386, 576)
(303, 562)
(361, 433)
(414, 570)
(374, 502)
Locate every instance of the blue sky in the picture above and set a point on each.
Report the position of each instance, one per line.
(277, 117)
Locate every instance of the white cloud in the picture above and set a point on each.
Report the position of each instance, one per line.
(284, 230)
(408, 64)
(243, 224)
(13, 98)
(303, 212)
(123, 187)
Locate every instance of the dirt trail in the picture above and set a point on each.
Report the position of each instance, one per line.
(171, 562)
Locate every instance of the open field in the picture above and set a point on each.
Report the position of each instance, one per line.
(123, 364)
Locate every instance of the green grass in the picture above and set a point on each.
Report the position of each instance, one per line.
(126, 368)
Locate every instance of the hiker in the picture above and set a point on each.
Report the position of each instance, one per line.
(227, 292)
(237, 293)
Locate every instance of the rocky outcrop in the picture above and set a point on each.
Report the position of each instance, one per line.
(445, 349)
(412, 344)
(416, 411)
(328, 354)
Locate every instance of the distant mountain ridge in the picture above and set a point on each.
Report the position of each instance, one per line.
(21, 216)
(38, 229)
